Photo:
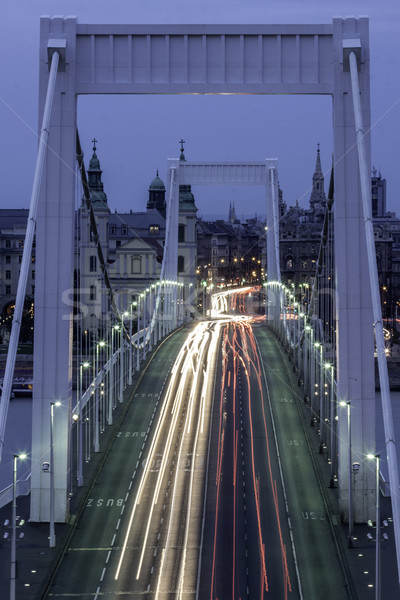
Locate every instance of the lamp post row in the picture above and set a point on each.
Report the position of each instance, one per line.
(313, 357)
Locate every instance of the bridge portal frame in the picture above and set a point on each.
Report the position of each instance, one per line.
(198, 59)
(221, 173)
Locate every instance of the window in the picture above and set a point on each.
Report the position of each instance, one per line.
(20, 243)
(312, 249)
(181, 264)
(124, 229)
(33, 273)
(154, 230)
(112, 230)
(8, 243)
(33, 290)
(136, 265)
(8, 289)
(8, 259)
(93, 264)
(8, 274)
(33, 259)
(92, 292)
(304, 264)
(20, 258)
(118, 243)
(289, 263)
(181, 233)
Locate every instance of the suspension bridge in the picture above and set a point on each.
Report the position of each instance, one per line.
(85, 359)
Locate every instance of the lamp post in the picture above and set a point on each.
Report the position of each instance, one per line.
(307, 362)
(320, 393)
(333, 417)
(121, 359)
(377, 530)
(84, 365)
(131, 346)
(13, 570)
(96, 400)
(52, 537)
(350, 483)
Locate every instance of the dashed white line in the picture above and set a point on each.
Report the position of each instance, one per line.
(113, 540)
(108, 556)
(122, 510)
(118, 523)
(102, 574)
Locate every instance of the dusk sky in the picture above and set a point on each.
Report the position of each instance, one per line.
(137, 134)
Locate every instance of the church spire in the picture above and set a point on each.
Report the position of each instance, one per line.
(99, 198)
(318, 162)
(232, 213)
(318, 198)
(182, 156)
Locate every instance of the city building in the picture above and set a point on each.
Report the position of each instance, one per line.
(211, 252)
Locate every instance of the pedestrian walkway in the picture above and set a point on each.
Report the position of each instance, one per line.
(36, 561)
(359, 561)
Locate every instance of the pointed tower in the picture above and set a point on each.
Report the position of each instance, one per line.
(318, 198)
(187, 243)
(88, 268)
(186, 198)
(99, 198)
(232, 214)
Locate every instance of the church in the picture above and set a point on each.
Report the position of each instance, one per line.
(132, 245)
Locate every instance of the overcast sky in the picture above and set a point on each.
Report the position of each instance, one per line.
(137, 134)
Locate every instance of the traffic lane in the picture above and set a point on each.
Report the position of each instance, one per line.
(319, 566)
(99, 521)
(278, 568)
(180, 551)
(146, 542)
(247, 530)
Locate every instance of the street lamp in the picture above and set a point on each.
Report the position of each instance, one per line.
(131, 346)
(13, 570)
(330, 368)
(52, 537)
(96, 400)
(83, 365)
(376, 457)
(350, 483)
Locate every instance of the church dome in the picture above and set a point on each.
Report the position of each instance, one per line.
(157, 184)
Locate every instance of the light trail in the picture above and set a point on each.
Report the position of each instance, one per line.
(184, 424)
(215, 332)
(240, 349)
